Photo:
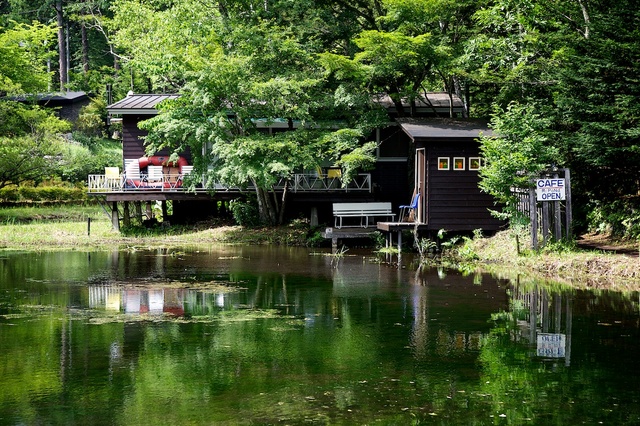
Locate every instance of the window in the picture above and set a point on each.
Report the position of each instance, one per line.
(443, 163)
(475, 163)
(458, 163)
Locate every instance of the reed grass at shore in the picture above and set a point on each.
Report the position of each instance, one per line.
(592, 267)
(37, 229)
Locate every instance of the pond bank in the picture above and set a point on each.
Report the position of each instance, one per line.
(597, 261)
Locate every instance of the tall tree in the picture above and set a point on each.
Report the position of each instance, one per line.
(23, 58)
(62, 45)
(576, 64)
(230, 83)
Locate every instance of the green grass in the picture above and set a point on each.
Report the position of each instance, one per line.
(14, 215)
(61, 228)
(560, 262)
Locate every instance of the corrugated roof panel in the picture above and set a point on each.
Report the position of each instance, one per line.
(432, 100)
(444, 128)
(139, 102)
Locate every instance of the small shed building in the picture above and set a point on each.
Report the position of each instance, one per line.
(446, 174)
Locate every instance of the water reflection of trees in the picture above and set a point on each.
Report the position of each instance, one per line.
(583, 382)
(351, 344)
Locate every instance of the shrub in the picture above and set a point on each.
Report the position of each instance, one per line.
(245, 212)
(621, 218)
(92, 118)
(41, 194)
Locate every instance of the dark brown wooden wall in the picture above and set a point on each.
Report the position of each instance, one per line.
(454, 200)
(390, 181)
(132, 144)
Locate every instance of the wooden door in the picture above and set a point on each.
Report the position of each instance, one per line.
(421, 184)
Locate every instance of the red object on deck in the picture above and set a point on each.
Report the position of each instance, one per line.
(160, 160)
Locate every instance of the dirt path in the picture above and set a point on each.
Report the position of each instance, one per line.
(608, 244)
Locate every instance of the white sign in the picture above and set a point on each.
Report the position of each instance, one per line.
(551, 345)
(550, 189)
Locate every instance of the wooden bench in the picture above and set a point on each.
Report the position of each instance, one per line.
(361, 210)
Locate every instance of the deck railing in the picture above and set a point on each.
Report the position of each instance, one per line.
(301, 182)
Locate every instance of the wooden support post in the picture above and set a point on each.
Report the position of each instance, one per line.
(149, 210)
(399, 245)
(545, 222)
(165, 214)
(126, 218)
(139, 211)
(557, 218)
(568, 213)
(533, 218)
(115, 219)
(314, 216)
(557, 221)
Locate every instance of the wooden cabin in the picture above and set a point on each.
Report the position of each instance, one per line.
(437, 157)
(68, 105)
(133, 109)
(446, 174)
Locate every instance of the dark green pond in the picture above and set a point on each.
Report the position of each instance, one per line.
(284, 336)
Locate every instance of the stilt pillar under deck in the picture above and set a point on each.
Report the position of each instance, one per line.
(115, 219)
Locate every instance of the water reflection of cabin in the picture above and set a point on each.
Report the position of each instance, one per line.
(408, 155)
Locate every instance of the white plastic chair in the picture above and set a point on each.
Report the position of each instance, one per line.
(154, 173)
(132, 177)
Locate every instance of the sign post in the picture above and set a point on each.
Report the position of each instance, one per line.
(553, 185)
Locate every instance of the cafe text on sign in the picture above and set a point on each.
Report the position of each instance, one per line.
(550, 189)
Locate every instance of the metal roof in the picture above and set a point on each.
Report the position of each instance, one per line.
(433, 100)
(139, 104)
(69, 96)
(446, 128)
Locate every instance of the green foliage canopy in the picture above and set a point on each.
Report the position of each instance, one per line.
(23, 58)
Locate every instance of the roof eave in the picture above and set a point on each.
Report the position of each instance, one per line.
(132, 111)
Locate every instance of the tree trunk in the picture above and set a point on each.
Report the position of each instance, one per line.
(585, 16)
(85, 47)
(397, 101)
(62, 52)
(265, 206)
(283, 202)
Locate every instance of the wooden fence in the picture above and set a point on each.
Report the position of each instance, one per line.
(550, 218)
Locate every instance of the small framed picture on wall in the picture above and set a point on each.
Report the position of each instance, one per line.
(475, 163)
(443, 163)
(458, 163)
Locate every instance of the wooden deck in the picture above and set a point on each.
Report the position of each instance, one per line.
(337, 234)
(388, 228)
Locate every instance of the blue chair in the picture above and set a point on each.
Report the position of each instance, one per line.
(404, 210)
